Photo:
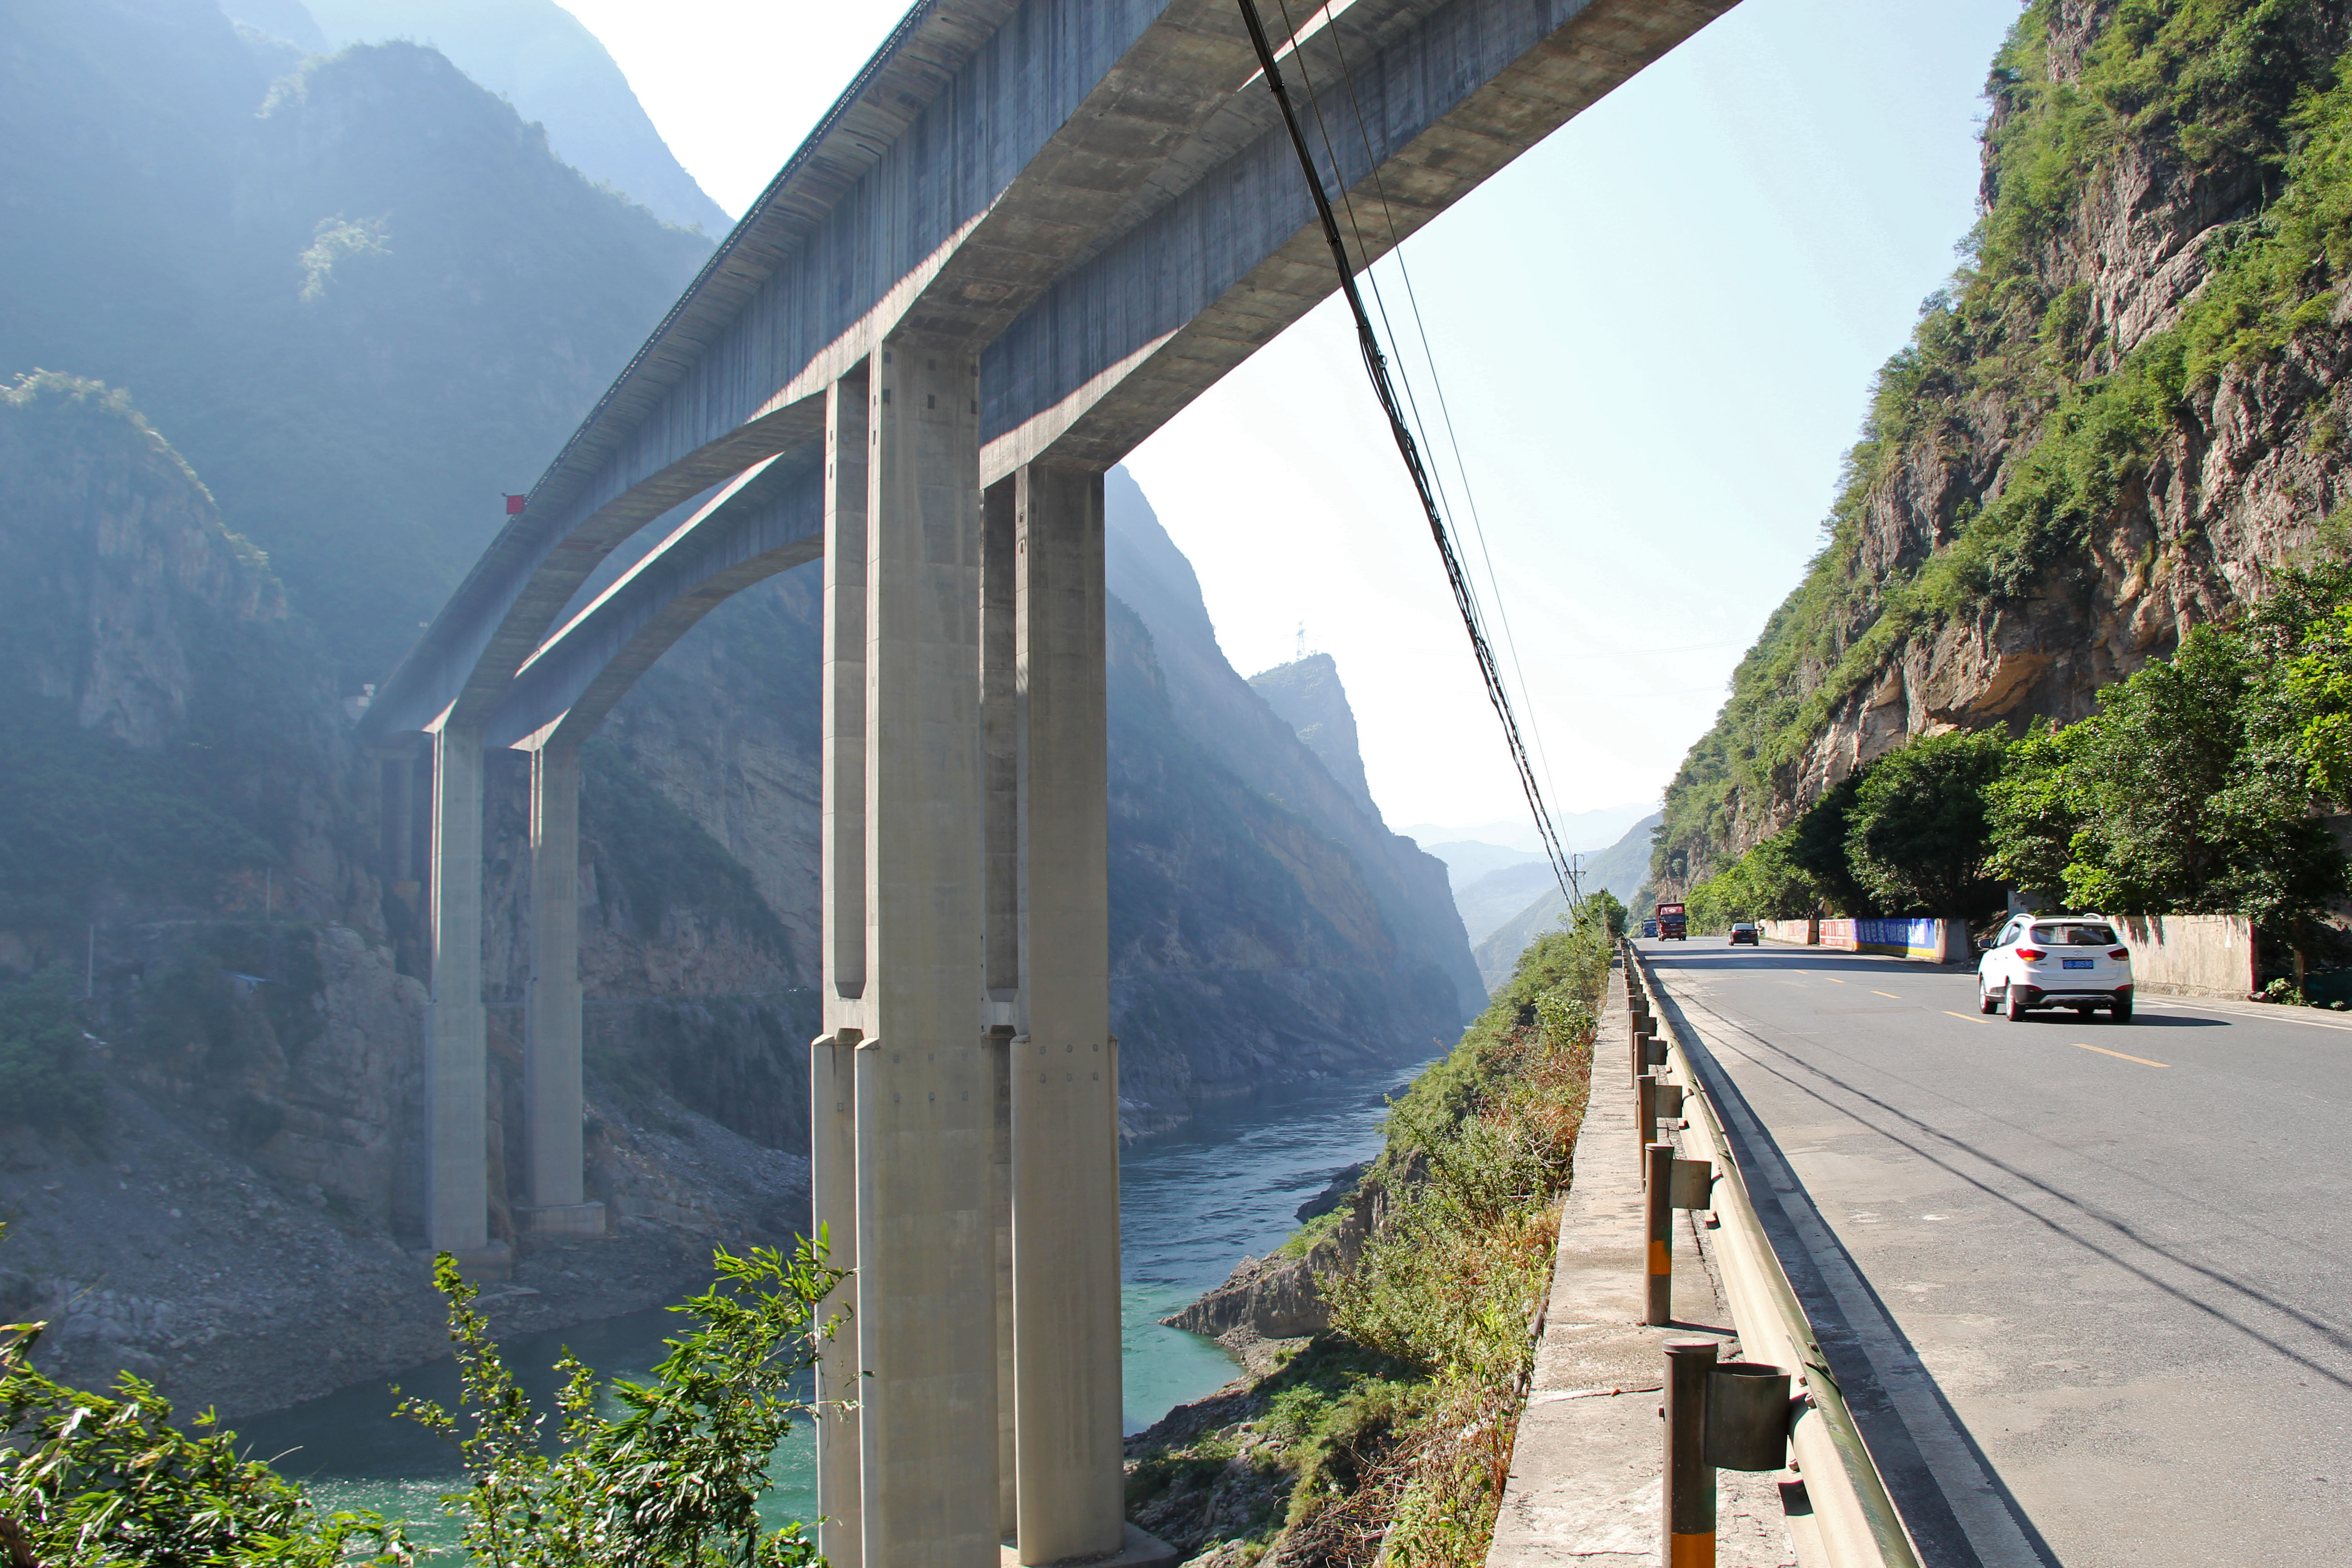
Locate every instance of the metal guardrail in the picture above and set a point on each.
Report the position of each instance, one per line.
(1854, 1518)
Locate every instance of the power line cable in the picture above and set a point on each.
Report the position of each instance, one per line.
(1429, 357)
(1376, 367)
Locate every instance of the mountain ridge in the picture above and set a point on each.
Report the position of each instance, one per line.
(2116, 422)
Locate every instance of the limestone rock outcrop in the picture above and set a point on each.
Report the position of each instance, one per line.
(2250, 462)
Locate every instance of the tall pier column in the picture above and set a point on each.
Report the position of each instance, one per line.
(552, 1090)
(925, 1252)
(1066, 1322)
(832, 1076)
(456, 1055)
(999, 715)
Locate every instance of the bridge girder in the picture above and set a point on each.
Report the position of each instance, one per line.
(1095, 194)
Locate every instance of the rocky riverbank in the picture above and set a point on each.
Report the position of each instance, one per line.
(249, 1275)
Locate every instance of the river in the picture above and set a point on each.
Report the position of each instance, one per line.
(1191, 1203)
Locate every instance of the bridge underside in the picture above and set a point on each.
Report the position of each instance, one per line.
(1031, 233)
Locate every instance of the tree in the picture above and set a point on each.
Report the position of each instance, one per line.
(2032, 812)
(98, 1478)
(1815, 847)
(2188, 807)
(1916, 840)
(676, 1477)
(1600, 912)
(45, 1081)
(2190, 791)
(1760, 885)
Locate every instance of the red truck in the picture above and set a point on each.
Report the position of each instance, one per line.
(1674, 923)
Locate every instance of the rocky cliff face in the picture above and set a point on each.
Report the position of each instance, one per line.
(1309, 695)
(186, 833)
(1242, 733)
(2067, 469)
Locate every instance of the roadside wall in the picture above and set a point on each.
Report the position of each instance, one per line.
(2190, 955)
(1933, 941)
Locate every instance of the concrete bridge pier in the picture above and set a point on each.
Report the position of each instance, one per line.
(1064, 1120)
(456, 1052)
(553, 1095)
(832, 1077)
(925, 1320)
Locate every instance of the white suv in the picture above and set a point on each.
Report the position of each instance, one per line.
(2056, 961)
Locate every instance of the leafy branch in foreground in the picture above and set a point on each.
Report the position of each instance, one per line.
(674, 1478)
(94, 1480)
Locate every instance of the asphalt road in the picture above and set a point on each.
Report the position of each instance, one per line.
(2086, 1284)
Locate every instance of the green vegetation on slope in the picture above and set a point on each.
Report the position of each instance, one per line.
(2197, 788)
(45, 1081)
(1396, 1425)
(2250, 97)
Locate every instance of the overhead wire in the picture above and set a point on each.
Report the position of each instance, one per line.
(1376, 367)
(1429, 357)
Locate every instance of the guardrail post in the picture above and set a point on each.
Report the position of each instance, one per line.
(1690, 1480)
(1658, 1212)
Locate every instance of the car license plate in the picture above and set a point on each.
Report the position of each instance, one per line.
(2078, 963)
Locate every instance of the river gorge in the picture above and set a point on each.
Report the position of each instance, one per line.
(1192, 1204)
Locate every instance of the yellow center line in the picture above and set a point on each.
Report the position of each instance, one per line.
(1965, 1017)
(1888, 995)
(2104, 1052)
(1832, 980)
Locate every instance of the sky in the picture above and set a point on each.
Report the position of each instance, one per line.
(1655, 332)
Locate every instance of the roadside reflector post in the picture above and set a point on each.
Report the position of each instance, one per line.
(1748, 1417)
(1645, 1110)
(1690, 1478)
(1692, 1187)
(1658, 1211)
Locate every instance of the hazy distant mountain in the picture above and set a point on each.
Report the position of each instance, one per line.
(1578, 830)
(1403, 973)
(362, 298)
(1467, 861)
(549, 66)
(1309, 696)
(1620, 869)
(1487, 902)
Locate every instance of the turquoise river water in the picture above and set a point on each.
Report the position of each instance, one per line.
(1191, 1203)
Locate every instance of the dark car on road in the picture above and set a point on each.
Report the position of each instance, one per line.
(1744, 931)
(1650, 927)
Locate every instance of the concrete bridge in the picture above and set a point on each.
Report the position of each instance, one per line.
(1029, 233)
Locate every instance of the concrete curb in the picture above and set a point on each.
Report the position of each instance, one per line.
(1587, 1460)
(1854, 1520)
